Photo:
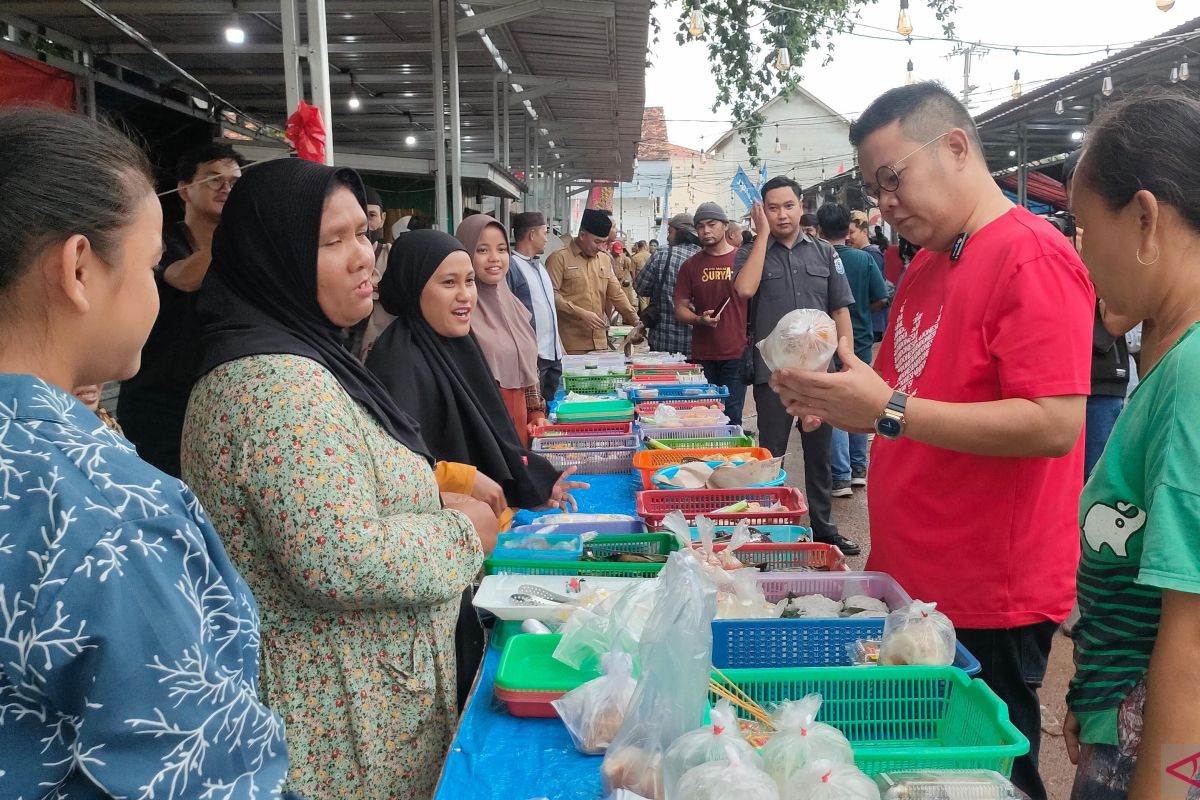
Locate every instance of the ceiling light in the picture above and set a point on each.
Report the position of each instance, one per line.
(1076, 136)
(904, 22)
(354, 102)
(410, 140)
(1012, 153)
(235, 33)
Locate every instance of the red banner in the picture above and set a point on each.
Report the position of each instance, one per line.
(24, 81)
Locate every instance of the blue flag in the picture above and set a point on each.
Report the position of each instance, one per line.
(742, 186)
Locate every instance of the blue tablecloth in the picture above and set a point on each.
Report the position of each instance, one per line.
(496, 756)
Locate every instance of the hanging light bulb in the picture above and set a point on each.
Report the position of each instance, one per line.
(1183, 70)
(1164, 5)
(703, 154)
(1016, 90)
(778, 146)
(696, 24)
(1059, 108)
(235, 33)
(904, 23)
(1175, 74)
(783, 59)
(908, 79)
(354, 102)
(1106, 87)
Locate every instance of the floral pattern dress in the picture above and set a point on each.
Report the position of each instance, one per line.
(128, 641)
(357, 568)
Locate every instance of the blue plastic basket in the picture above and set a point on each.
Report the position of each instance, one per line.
(780, 534)
(660, 478)
(777, 643)
(509, 546)
(602, 528)
(702, 391)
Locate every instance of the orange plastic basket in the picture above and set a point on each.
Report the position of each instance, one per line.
(648, 462)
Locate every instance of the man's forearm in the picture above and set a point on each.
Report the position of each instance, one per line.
(1013, 428)
(750, 275)
(684, 314)
(187, 274)
(845, 328)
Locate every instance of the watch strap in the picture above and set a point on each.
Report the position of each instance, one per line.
(898, 403)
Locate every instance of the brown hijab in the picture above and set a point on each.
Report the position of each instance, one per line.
(501, 324)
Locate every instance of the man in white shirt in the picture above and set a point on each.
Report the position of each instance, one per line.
(529, 281)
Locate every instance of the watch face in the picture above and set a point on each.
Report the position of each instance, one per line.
(889, 427)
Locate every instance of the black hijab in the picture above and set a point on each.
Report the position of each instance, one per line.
(446, 383)
(260, 294)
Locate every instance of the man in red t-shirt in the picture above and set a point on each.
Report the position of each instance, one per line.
(979, 400)
(704, 299)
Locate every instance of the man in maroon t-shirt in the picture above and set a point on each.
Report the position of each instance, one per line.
(978, 403)
(704, 299)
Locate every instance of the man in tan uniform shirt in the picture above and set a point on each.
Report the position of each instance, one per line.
(583, 280)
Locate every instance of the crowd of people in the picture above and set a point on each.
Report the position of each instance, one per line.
(262, 584)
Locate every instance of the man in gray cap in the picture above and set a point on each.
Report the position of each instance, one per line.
(530, 282)
(705, 301)
(657, 282)
(583, 279)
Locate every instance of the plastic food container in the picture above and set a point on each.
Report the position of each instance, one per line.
(539, 546)
(529, 679)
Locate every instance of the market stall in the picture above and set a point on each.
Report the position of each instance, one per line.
(722, 639)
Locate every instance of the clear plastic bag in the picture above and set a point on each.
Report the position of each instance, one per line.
(593, 712)
(733, 778)
(666, 416)
(706, 744)
(967, 784)
(805, 338)
(676, 661)
(918, 634)
(744, 598)
(617, 623)
(801, 740)
(829, 780)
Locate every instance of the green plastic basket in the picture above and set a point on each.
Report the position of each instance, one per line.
(595, 411)
(528, 665)
(605, 383)
(900, 718)
(648, 544)
(707, 444)
(500, 566)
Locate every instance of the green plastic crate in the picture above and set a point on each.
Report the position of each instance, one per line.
(649, 544)
(707, 444)
(603, 383)
(900, 718)
(499, 566)
(595, 411)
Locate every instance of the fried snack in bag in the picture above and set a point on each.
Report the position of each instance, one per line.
(805, 338)
(734, 778)
(802, 740)
(918, 634)
(827, 780)
(593, 712)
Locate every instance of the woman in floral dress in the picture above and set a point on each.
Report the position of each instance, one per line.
(324, 492)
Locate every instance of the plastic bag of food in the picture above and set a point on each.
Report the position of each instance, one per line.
(617, 622)
(733, 778)
(805, 338)
(813, 606)
(830, 780)
(705, 744)
(918, 634)
(861, 605)
(676, 662)
(744, 598)
(967, 784)
(593, 712)
(801, 740)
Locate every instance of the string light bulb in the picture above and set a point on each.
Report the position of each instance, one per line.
(1059, 108)
(354, 103)
(696, 23)
(778, 146)
(1106, 86)
(703, 153)
(1016, 90)
(235, 33)
(1175, 74)
(1183, 70)
(904, 25)
(908, 79)
(783, 59)
(1164, 5)
(410, 140)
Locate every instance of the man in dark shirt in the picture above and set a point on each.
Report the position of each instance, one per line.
(786, 269)
(704, 299)
(153, 402)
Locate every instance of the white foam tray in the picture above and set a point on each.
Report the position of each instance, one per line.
(495, 592)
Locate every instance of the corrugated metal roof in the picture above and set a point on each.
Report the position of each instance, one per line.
(583, 62)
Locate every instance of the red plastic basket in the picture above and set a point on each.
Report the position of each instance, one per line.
(530, 705)
(663, 378)
(654, 505)
(585, 429)
(784, 557)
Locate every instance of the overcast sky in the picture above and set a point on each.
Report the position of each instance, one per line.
(681, 81)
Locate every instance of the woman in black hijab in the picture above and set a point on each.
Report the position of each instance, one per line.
(322, 490)
(432, 366)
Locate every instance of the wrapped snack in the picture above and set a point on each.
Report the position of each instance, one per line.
(918, 634)
(863, 653)
(861, 605)
(706, 744)
(803, 339)
(802, 741)
(593, 712)
(746, 599)
(967, 784)
(676, 662)
(734, 778)
(829, 780)
(741, 536)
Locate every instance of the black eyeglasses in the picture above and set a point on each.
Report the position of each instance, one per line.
(887, 178)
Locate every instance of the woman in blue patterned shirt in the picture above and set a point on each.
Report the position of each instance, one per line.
(128, 641)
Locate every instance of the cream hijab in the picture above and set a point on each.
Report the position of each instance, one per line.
(501, 324)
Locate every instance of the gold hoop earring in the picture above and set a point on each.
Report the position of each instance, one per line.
(1157, 253)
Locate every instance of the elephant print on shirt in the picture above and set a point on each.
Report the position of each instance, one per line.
(1105, 525)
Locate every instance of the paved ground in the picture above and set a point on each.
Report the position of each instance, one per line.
(850, 514)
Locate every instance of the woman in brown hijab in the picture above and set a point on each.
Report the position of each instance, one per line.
(501, 324)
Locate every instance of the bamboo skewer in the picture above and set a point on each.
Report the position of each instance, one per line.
(752, 708)
(731, 686)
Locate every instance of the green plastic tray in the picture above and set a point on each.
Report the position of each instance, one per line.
(900, 718)
(528, 665)
(497, 566)
(707, 444)
(596, 411)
